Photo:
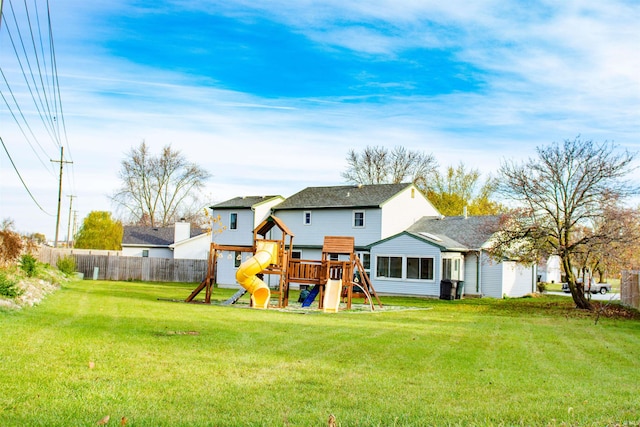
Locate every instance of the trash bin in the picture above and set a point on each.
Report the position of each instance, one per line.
(459, 289)
(447, 289)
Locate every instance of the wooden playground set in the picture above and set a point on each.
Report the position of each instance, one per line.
(332, 280)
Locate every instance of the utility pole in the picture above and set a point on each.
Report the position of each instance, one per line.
(69, 235)
(62, 162)
(75, 224)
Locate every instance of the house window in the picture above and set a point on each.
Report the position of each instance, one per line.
(145, 253)
(358, 219)
(365, 259)
(237, 259)
(333, 257)
(389, 266)
(296, 255)
(420, 268)
(307, 218)
(233, 221)
(451, 268)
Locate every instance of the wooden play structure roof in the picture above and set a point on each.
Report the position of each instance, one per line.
(265, 226)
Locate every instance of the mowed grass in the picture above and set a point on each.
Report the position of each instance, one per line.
(99, 348)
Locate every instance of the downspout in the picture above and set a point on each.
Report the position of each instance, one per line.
(478, 287)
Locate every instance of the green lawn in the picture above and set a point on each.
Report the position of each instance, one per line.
(99, 348)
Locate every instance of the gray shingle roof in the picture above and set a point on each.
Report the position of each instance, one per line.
(345, 196)
(242, 202)
(152, 236)
(472, 232)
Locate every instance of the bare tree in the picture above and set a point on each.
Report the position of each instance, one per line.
(158, 190)
(564, 192)
(378, 165)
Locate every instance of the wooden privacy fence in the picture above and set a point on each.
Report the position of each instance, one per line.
(116, 267)
(630, 288)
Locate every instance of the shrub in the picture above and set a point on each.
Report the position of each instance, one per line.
(542, 286)
(28, 264)
(10, 246)
(67, 265)
(8, 287)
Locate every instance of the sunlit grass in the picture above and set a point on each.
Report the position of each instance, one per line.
(121, 349)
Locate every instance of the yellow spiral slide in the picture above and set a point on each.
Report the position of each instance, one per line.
(266, 254)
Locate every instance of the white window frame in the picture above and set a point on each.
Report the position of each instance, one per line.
(402, 267)
(353, 218)
(404, 261)
(457, 266)
(231, 223)
(306, 218)
(420, 257)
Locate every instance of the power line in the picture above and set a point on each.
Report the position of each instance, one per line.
(22, 180)
(47, 121)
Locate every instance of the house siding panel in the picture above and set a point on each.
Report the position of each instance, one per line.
(520, 280)
(491, 277)
(195, 248)
(331, 222)
(406, 246)
(243, 235)
(402, 211)
(471, 274)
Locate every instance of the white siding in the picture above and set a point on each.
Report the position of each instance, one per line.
(518, 279)
(403, 210)
(471, 274)
(194, 248)
(153, 252)
(406, 246)
(491, 277)
(263, 210)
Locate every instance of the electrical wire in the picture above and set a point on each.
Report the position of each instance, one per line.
(24, 119)
(45, 96)
(47, 120)
(22, 180)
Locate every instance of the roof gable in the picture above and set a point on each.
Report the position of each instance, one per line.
(413, 236)
(345, 196)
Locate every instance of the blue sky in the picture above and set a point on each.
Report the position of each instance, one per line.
(269, 96)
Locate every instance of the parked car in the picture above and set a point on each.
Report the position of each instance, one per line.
(594, 288)
(602, 288)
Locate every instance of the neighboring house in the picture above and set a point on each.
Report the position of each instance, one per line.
(435, 248)
(162, 242)
(401, 239)
(549, 271)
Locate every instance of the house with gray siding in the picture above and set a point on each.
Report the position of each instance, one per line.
(437, 248)
(402, 240)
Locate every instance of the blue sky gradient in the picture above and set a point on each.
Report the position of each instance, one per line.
(269, 96)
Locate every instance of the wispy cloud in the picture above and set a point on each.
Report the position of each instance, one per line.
(269, 96)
